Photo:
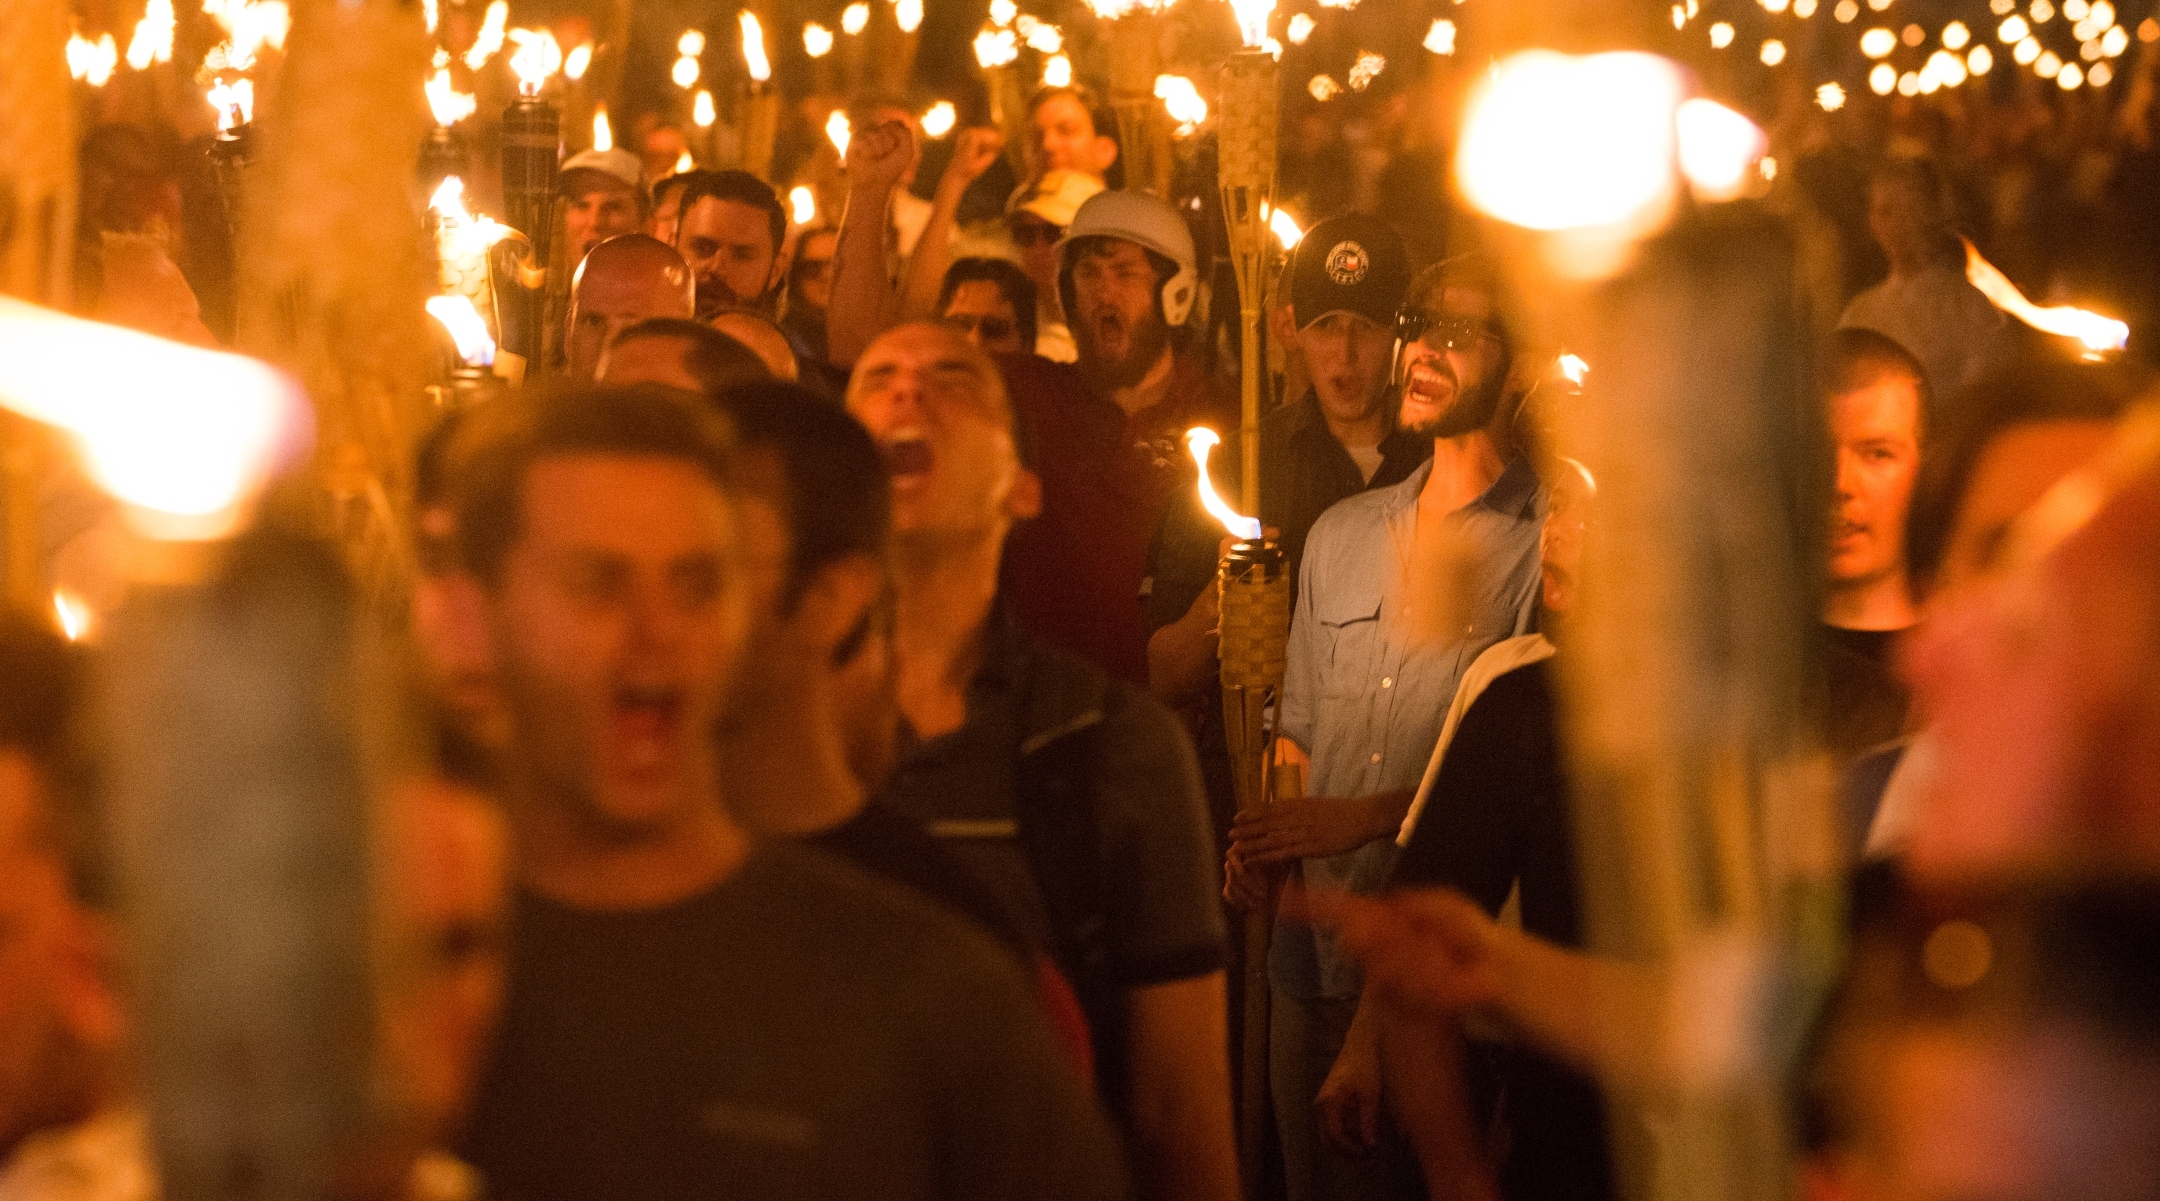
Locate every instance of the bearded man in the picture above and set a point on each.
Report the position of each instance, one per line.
(1401, 589)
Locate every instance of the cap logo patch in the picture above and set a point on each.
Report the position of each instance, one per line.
(1348, 263)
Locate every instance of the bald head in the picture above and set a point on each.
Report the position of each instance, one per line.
(764, 338)
(623, 281)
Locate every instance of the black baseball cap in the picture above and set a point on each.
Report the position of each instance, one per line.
(1351, 263)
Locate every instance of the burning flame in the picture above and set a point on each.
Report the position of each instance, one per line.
(1440, 39)
(691, 43)
(431, 13)
(996, 47)
(153, 36)
(1057, 72)
(838, 129)
(469, 235)
(1366, 69)
(73, 613)
(816, 40)
(91, 61)
(684, 163)
(1574, 369)
(490, 38)
(577, 62)
(908, 14)
(1323, 88)
(1283, 226)
(1003, 12)
(1555, 142)
(1717, 148)
(940, 119)
(249, 26)
(1200, 440)
(234, 102)
(855, 18)
(603, 135)
(1111, 10)
(2099, 335)
(1184, 102)
(753, 48)
(1301, 27)
(685, 73)
(457, 315)
(1041, 36)
(701, 109)
(802, 202)
(185, 436)
(536, 58)
(449, 105)
(1252, 18)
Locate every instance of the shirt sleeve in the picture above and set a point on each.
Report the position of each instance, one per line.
(1163, 909)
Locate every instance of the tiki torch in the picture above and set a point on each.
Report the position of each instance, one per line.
(531, 155)
(1245, 151)
(997, 50)
(1136, 32)
(233, 149)
(445, 154)
(1253, 581)
(761, 117)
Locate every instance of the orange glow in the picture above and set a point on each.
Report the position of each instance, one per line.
(753, 47)
(2099, 335)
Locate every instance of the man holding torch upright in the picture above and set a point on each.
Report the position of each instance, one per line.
(1401, 588)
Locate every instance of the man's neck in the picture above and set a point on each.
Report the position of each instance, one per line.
(786, 772)
(1369, 430)
(1149, 392)
(563, 859)
(1463, 467)
(944, 594)
(1882, 603)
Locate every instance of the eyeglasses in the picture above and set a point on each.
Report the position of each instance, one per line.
(988, 328)
(1440, 332)
(1029, 233)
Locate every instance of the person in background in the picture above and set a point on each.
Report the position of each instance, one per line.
(666, 214)
(1926, 306)
(731, 232)
(1036, 219)
(623, 281)
(994, 301)
(1110, 430)
(810, 278)
(690, 1008)
(1877, 409)
(1065, 132)
(1073, 795)
(661, 146)
(682, 353)
(603, 195)
(765, 339)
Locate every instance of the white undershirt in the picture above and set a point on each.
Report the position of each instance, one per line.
(1367, 459)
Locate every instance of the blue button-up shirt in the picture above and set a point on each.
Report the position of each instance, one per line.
(1370, 677)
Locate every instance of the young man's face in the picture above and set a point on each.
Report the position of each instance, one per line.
(1114, 321)
(616, 621)
(1064, 138)
(927, 398)
(1037, 240)
(1452, 383)
(1875, 435)
(729, 247)
(1348, 356)
(600, 207)
(982, 308)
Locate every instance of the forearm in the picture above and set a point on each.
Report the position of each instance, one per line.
(1602, 1015)
(1181, 660)
(1421, 1062)
(1183, 1145)
(863, 303)
(932, 258)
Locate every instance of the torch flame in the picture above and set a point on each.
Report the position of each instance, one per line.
(684, 164)
(816, 40)
(1200, 440)
(92, 61)
(2100, 335)
(855, 18)
(1003, 12)
(803, 203)
(185, 436)
(908, 15)
(753, 47)
(536, 58)
(1183, 101)
(249, 26)
(234, 102)
(603, 136)
(1555, 142)
(457, 315)
(1252, 18)
(1057, 72)
(469, 235)
(1574, 369)
(490, 38)
(1283, 226)
(1111, 10)
(939, 120)
(449, 105)
(996, 47)
(153, 36)
(702, 112)
(430, 13)
(838, 129)
(577, 62)
(73, 612)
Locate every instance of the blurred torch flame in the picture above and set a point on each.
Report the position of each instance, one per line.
(490, 38)
(73, 613)
(603, 135)
(1284, 226)
(470, 235)
(908, 15)
(91, 61)
(577, 62)
(536, 58)
(683, 163)
(1252, 19)
(855, 18)
(940, 119)
(838, 129)
(153, 37)
(753, 48)
(1718, 149)
(184, 436)
(2099, 335)
(816, 40)
(1200, 440)
(1573, 369)
(996, 47)
(1184, 102)
(449, 105)
(702, 113)
(803, 204)
(457, 315)
(234, 102)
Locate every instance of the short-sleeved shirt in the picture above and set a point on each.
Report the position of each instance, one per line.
(1074, 574)
(798, 1030)
(1370, 681)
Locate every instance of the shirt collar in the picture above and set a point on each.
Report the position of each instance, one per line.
(1514, 494)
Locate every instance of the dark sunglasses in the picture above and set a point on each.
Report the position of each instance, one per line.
(992, 329)
(1442, 333)
(1029, 233)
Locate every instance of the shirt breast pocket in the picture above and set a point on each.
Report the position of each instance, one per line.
(1351, 625)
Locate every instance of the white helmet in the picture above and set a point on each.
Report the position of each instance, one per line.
(1141, 219)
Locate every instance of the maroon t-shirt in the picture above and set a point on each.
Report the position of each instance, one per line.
(1074, 574)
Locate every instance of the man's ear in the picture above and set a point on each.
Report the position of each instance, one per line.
(1024, 501)
(839, 594)
(1106, 152)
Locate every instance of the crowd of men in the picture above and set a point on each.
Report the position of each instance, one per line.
(842, 802)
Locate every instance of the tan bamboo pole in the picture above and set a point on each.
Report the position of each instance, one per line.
(1144, 134)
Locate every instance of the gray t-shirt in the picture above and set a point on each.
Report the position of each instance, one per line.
(800, 1030)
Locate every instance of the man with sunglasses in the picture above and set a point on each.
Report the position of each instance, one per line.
(1401, 589)
(994, 301)
(1036, 218)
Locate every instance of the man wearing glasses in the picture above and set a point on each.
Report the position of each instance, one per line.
(1036, 218)
(1401, 588)
(994, 301)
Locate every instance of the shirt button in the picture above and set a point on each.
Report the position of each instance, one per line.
(1387, 681)
(1376, 756)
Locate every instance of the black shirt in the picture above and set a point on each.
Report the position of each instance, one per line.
(799, 1030)
(1862, 703)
